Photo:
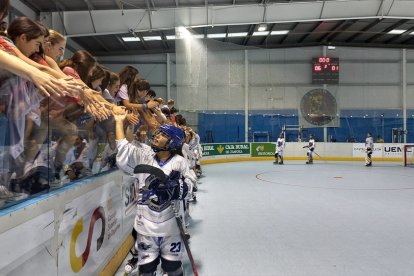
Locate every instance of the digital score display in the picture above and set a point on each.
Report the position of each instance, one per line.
(325, 70)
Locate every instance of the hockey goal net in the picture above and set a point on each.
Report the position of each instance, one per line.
(409, 155)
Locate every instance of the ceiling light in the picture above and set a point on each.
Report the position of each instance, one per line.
(182, 32)
(281, 32)
(130, 38)
(221, 35)
(237, 34)
(260, 33)
(149, 38)
(396, 31)
(262, 27)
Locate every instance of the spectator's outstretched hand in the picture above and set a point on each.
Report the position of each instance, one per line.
(118, 110)
(152, 104)
(93, 105)
(132, 119)
(120, 117)
(98, 113)
(47, 84)
(70, 87)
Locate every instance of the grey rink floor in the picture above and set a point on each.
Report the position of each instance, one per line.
(329, 218)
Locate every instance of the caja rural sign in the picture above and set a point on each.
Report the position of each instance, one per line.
(226, 149)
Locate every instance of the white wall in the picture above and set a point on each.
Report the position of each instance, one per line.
(370, 78)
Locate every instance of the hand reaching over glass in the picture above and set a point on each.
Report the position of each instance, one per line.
(117, 110)
(100, 113)
(94, 106)
(48, 85)
(71, 87)
(120, 117)
(152, 104)
(132, 119)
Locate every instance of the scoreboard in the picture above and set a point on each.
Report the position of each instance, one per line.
(325, 70)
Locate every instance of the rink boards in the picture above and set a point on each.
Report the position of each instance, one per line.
(72, 231)
(227, 152)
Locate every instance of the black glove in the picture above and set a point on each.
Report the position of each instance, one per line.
(173, 189)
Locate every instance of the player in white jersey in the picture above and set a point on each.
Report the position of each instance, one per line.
(140, 140)
(280, 147)
(189, 155)
(369, 147)
(108, 156)
(198, 152)
(311, 148)
(158, 233)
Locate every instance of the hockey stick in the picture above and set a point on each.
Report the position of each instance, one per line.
(312, 151)
(142, 168)
(163, 178)
(317, 154)
(186, 245)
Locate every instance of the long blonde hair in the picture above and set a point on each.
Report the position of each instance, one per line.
(55, 37)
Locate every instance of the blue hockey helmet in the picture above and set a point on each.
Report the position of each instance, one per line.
(175, 136)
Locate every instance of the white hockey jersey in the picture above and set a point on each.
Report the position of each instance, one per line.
(369, 143)
(311, 144)
(150, 221)
(188, 155)
(280, 144)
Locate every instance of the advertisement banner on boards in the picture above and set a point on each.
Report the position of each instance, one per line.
(90, 230)
(27, 245)
(392, 150)
(358, 150)
(130, 198)
(263, 149)
(384, 150)
(226, 149)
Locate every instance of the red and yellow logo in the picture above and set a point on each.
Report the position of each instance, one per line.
(78, 262)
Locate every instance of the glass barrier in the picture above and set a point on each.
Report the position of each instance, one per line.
(47, 143)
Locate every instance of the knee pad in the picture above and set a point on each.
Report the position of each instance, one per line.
(276, 155)
(307, 153)
(149, 269)
(173, 268)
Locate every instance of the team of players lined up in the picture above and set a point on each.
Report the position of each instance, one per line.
(281, 143)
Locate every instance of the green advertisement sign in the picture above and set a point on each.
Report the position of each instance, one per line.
(263, 149)
(226, 149)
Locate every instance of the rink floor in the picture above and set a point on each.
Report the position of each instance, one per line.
(329, 218)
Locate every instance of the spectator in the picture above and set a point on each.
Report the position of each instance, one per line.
(110, 85)
(379, 139)
(108, 157)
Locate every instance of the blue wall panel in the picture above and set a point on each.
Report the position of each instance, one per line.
(354, 125)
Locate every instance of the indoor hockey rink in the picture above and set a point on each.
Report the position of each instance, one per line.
(329, 218)
(92, 89)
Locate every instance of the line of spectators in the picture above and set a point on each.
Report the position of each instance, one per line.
(55, 114)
